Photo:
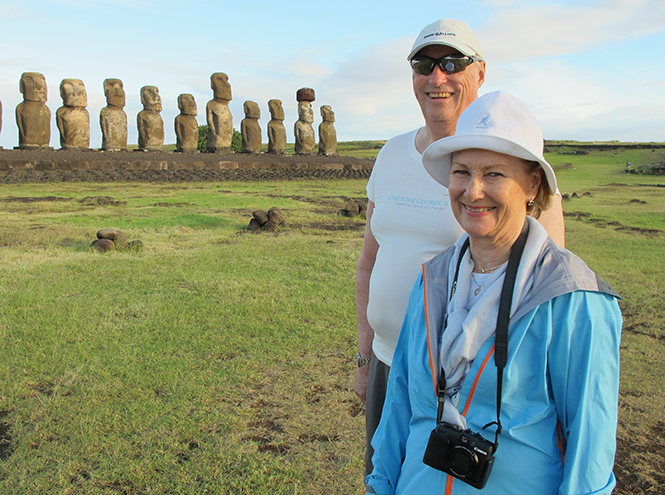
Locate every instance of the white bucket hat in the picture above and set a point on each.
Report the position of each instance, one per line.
(448, 32)
(497, 122)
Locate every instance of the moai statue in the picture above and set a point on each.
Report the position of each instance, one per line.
(33, 117)
(113, 118)
(327, 133)
(250, 129)
(149, 122)
(72, 117)
(276, 129)
(218, 115)
(303, 129)
(186, 126)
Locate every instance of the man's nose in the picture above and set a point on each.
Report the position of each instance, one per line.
(437, 76)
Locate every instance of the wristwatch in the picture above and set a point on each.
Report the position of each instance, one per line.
(362, 361)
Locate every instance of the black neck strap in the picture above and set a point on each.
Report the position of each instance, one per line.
(503, 319)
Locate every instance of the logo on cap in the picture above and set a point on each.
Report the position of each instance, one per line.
(484, 123)
(439, 33)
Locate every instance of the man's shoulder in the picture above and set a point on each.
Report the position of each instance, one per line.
(398, 149)
(401, 140)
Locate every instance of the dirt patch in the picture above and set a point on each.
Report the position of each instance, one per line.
(31, 199)
(330, 227)
(640, 462)
(6, 447)
(101, 201)
(599, 222)
(173, 205)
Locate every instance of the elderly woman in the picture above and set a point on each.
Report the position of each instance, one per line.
(510, 396)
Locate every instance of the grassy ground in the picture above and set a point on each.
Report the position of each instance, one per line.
(218, 361)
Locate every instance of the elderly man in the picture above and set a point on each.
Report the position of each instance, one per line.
(407, 208)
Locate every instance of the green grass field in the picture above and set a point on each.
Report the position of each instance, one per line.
(219, 361)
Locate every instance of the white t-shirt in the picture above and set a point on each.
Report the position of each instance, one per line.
(412, 222)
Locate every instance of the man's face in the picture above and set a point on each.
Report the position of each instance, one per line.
(443, 97)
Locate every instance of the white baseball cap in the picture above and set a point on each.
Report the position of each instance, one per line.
(448, 32)
(497, 122)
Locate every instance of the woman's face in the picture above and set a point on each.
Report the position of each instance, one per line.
(489, 192)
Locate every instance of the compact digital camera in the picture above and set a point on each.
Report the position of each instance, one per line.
(464, 454)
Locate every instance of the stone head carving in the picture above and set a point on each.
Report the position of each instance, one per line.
(187, 104)
(252, 110)
(219, 83)
(305, 112)
(114, 92)
(327, 113)
(276, 109)
(33, 87)
(73, 94)
(150, 98)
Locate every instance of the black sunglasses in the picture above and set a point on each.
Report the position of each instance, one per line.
(450, 64)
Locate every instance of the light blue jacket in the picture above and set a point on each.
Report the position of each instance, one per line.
(560, 387)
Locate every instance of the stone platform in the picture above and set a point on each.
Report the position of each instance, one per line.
(69, 160)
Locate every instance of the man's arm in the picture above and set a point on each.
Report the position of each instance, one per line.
(365, 331)
(552, 220)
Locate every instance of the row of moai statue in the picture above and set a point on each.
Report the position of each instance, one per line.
(33, 118)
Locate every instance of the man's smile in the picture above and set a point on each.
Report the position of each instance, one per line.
(439, 95)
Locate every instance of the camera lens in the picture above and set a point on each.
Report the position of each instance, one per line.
(462, 461)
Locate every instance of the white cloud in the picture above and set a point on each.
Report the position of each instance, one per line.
(540, 30)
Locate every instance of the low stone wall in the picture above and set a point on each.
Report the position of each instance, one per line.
(75, 160)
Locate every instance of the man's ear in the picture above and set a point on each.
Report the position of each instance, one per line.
(481, 73)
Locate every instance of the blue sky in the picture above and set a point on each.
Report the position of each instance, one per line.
(589, 70)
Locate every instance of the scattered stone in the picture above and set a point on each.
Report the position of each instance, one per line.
(109, 234)
(639, 201)
(260, 216)
(267, 222)
(117, 240)
(353, 209)
(574, 195)
(275, 215)
(254, 225)
(103, 245)
(565, 197)
(587, 194)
